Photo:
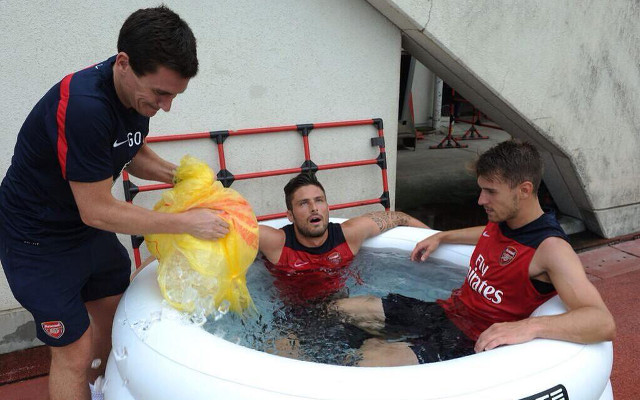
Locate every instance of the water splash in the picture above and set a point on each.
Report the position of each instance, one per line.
(223, 308)
(97, 389)
(105, 382)
(120, 353)
(197, 318)
(188, 287)
(141, 328)
(156, 316)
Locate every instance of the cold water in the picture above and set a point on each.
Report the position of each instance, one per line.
(311, 332)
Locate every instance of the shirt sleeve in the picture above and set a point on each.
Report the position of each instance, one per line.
(89, 124)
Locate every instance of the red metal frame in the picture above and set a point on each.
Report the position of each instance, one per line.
(476, 116)
(219, 136)
(472, 133)
(479, 124)
(449, 138)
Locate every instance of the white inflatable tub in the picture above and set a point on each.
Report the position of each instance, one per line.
(172, 360)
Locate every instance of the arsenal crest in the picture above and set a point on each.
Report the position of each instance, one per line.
(55, 329)
(508, 255)
(335, 258)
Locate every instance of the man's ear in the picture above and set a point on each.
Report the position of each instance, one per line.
(290, 216)
(122, 61)
(525, 189)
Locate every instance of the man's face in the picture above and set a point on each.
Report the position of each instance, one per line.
(500, 201)
(309, 211)
(151, 92)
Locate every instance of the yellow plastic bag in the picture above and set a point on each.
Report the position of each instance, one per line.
(198, 275)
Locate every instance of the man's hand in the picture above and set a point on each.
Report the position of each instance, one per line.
(505, 333)
(425, 247)
(205, 224)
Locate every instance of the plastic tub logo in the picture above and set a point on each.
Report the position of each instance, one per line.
(558, 392)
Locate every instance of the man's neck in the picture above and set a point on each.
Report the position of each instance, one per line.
(311, 241)
(117, 84)
(527, 214)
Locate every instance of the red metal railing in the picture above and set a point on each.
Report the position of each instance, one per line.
(227, 178)
(475, 118)
(449, 141)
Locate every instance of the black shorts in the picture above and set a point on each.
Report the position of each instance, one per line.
(425, 326)
(54, 287)
(321, 332)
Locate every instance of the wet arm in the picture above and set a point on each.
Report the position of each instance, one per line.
(386, 220)
(271, 242)
(459, 236)
(358, 229)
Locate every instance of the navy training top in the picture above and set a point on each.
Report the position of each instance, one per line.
(79, 131)
(535, 232)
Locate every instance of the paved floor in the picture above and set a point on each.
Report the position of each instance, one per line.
(435, 186)
(427, 176)
(615, 271)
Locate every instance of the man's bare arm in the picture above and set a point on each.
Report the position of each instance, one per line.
(386, 220)
(99, 209)
(459, 236)
(588, 319)
(148, 165)
(357, 230)
(271, 242)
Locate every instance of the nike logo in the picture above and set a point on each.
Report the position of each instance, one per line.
(300, 263)
(116, 143)
(485, 234)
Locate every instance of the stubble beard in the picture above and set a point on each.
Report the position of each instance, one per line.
(312, 233)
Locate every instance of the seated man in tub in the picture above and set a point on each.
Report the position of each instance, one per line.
(308, 257)
(521, 259)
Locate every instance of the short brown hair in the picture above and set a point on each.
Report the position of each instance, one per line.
(297, 182)
(154, 37)
(513, 162)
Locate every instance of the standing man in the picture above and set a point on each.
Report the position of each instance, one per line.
(62, 260)
(521, 259)
(308, 257)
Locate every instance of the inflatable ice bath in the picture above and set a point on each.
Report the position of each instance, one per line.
(169, 360)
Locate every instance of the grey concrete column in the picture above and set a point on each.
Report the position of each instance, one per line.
(437, 102)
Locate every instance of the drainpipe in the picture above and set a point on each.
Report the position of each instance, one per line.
(437, 102)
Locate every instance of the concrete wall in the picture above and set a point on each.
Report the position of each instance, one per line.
(564, 75)
(281, 63)
(422, 90)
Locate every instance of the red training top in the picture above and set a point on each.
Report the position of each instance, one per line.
(307, 273)
(498, 287)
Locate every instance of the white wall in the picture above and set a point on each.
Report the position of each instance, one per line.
(422, 90)
(564, 75)
(261, 64)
